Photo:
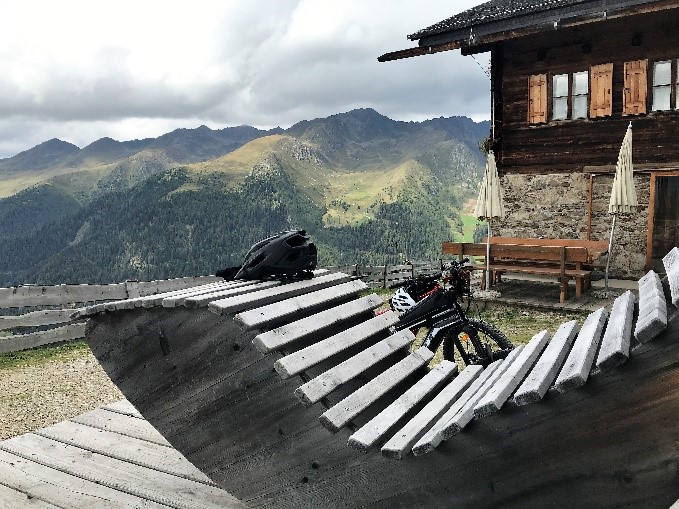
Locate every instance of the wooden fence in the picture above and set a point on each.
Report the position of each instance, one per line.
(48, 309)
(388, 276)
(48, 319)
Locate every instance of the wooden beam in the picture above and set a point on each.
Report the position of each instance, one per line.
(651, 225)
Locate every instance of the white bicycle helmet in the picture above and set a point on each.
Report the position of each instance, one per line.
(402, 301)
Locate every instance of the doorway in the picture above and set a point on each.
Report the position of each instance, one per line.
(665, 219)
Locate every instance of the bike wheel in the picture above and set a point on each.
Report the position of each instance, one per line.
(476, 342)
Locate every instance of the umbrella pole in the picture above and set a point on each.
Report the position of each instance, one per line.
(610, 251)
(488, 258)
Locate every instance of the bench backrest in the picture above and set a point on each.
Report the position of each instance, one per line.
(519, 252)
(595, 247)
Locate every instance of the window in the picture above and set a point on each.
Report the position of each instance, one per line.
(636, 84)
(580, 93)
(601, 104)
(560, 97)
(569, 95)
(662, 85)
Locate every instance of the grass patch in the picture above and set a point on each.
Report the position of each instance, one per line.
(521, 324)
(42, 355)
(469, 223)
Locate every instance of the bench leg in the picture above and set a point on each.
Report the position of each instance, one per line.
(563, 297)
(579, 286)
(483, 280)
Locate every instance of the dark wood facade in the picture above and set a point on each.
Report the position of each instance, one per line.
(575, 145)
(607, 51)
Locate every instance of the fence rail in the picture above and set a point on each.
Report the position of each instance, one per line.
(388, 276)
(56, 326)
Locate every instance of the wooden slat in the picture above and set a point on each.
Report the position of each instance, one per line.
(288, 308)
(251, 300)
(579, 362)
(310, 356)
(399, 444)
(544, 372)
(493, 400)
(203, 300)
(36, 318)
(30, 295)
(371, 432)
(435, 434)
(128, 478)
(671, 263)
(466, 413)
(128, 449)
(170, 301)
(616, 342)
(652, 318)
(123, 407)
(343, 412)
(318, 388)
(122, 424)
(45, 485)
(68, 332)
(33, 295)
(280, 337)
(156, 299)
(15, 499)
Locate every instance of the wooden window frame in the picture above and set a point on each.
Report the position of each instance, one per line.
(672, 85)
(570, 96)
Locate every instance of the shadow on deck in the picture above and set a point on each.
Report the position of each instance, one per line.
(543, 293)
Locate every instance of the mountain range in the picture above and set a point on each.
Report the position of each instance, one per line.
(367, 188)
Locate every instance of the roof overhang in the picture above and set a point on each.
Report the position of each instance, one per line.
(479, 38)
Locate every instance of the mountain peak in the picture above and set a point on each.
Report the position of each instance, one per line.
(52, 152)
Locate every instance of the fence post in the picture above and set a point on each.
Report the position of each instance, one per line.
(132, 289)
(384, 276)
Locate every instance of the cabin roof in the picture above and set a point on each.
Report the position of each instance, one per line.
(495, 10)
(497, 20)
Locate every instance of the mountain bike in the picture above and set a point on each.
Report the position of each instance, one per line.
(436, 302)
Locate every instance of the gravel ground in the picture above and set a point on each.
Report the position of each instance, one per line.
(52, 390)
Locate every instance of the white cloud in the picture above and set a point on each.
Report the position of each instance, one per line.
(79, 70)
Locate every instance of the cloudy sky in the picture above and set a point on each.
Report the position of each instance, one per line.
(80, 70)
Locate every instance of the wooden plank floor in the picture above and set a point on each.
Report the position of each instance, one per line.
(108, 458)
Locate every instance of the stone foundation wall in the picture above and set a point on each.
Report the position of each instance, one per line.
(555, 206)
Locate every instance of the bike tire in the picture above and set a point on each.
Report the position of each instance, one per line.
(485, 343)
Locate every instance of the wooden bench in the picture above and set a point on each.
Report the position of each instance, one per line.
(563, 262)
(595, 248)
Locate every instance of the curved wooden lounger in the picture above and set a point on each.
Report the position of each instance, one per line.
(296, 396)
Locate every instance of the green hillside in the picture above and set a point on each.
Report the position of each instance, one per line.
(368, 189)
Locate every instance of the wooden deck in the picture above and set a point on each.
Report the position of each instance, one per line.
(108, 458)
(298, 396)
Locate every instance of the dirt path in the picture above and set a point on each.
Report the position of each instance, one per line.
(51, 390)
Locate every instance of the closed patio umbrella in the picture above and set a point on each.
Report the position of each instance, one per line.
(489, 204)
(623, 195)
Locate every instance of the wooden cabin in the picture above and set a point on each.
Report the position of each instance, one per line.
(567, 78)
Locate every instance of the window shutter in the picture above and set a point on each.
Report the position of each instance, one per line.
(636, 87)
(601, 104)
(537, 99)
